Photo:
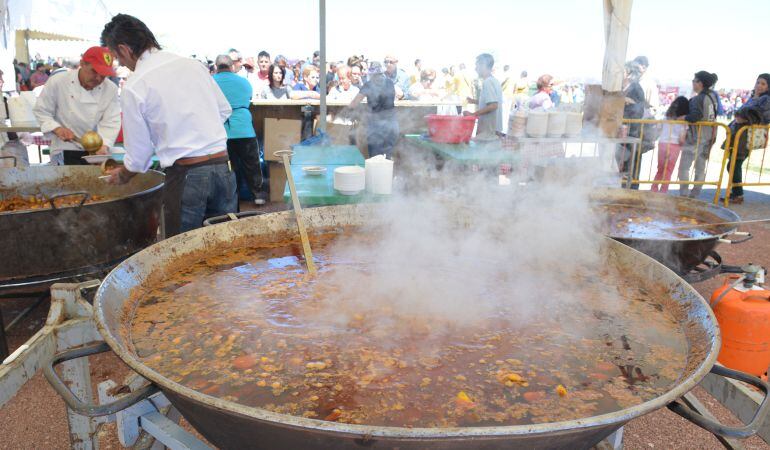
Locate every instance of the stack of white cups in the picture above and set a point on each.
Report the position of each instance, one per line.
(379, 175)
(349, 180)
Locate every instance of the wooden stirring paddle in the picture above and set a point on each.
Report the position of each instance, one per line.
(285, 155)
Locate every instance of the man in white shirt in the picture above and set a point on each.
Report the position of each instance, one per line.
(173, 108)
(344, 91)
(490, 101)
(260, 79)
(78, 101)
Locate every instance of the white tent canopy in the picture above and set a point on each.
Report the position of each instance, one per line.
(23, 37)
(83, 19)
(60, 20)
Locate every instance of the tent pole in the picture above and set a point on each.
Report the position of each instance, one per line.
(26, 48)
(322, 51)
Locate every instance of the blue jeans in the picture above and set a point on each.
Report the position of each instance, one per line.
(209, 190)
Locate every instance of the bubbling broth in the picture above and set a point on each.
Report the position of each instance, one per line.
(23, 203)
(631, 221)
(251, 327)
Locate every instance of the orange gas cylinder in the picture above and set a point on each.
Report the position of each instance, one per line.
(743, 312)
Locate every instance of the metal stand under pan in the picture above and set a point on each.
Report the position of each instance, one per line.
(709, 268)
(39, 289)
(145, 419)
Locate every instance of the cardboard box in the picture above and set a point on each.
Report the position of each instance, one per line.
(280, 134)
(339, 133)
(603, 111)
(277, 181)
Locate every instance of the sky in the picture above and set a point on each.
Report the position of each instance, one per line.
(561, 37)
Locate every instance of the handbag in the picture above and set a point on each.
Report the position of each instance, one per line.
(757, 138)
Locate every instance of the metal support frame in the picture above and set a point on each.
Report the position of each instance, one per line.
(611, 442)
(741, 400)
(691, 401)
(148, 424)
(636, 156)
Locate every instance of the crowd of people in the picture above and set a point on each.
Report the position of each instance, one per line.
(199, 139)
(687, 143)
(282, 78)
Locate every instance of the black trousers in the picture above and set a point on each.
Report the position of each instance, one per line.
(737, 191)
(244, 154)
(74, 158)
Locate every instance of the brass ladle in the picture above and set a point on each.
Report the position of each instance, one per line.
(90, 141)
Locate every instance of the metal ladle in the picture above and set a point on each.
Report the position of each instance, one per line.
(716, 224)
(93, 142)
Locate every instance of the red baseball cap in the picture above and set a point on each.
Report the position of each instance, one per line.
(100, 59)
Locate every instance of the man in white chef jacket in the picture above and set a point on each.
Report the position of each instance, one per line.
(78, 101)
(172, 108)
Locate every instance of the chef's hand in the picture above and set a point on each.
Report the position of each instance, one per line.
(65, 134)
(104, 150)
(119, 175)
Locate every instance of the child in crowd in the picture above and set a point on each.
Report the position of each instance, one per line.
(672, 137)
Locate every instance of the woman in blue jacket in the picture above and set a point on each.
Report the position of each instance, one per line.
(755, 111)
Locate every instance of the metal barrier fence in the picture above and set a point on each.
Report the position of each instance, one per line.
(750, 145)
(696, 156)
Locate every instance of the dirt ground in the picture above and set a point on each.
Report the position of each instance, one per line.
(36, 417)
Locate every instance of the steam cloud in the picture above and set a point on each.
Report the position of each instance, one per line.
(453, 247)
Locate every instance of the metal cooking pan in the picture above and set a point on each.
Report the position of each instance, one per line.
(230, 425)
(683, 254)
(44, 244)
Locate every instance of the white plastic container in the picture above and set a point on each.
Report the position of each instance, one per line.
(379, 175)
(557, 124)
(537, 124)
(518, 125)
(20, 112)
(574, 123)
(349, 180)
(29, 97)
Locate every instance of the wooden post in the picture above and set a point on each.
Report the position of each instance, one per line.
(617, 18)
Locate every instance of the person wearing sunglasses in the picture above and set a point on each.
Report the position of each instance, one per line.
(397, 76)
